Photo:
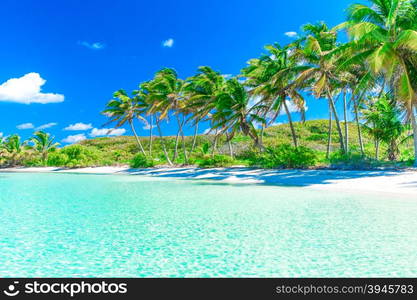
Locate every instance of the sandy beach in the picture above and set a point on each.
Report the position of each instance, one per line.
(400, 183)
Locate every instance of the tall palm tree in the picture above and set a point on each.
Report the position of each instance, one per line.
(384, 37)
(124, 109)
(44, 143)
(233, 112)
(165, 93)
(271, 78)
(315, 51)
(202, 90)
(14, 148)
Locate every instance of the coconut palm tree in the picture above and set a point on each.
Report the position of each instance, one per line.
(384, 37)
(165, 96)
(234, 112)
(271, 78)
(202, 90)
(44, 143)
(124, 109)
(13, 147)
(315, 51)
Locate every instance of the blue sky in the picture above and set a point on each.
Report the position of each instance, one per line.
(72, 55)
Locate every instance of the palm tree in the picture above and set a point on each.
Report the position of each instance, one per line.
(321, 69)
(202, 90)
(165, 94)
(234, 113)
(271, 78)
(124, 109)
(384, 37)
(14, 147)
(44, 143)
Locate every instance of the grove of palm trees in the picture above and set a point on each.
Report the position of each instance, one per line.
(369, 84)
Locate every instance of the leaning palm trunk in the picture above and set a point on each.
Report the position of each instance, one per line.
(150, 135)
(414, 124)
(346, 123)
(355, 104)
(229, 143)
(194, 138)
(261, 139)
(164, 148)
(336, 118)
(184, 149)
(214, 144)
(294, 136)
(136, 137)
(177, 138)
(329, 140)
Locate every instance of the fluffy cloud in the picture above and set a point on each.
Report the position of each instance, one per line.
(71, 139)
(27, 89)
(45, 126)
(92, 46)
(25, 126)
(107, 132)
(148, 127)
(291, 34)
(168, 43)
(78, 127)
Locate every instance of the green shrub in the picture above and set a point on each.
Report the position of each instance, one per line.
(57, 159)
(216, 161)
(287, 156)
(141, 161)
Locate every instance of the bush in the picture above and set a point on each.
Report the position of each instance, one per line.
(74, 156)
(216, 161)
(141, 161)
(287, 156)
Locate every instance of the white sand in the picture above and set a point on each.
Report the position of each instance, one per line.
(401, 183)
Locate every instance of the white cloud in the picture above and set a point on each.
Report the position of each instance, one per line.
(92, 46)
(148, 127)
(71, 139)
(291, 34)
(25, 126)
(78, 127)
(1, 135)
(107, 132)
(27, 89)
(292, 108)
(45, 126)
(168, 43)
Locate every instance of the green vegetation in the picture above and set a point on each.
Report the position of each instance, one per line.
(373, 76)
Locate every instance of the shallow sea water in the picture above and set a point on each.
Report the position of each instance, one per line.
(72, 225)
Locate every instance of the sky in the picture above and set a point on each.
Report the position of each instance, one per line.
(61, 61)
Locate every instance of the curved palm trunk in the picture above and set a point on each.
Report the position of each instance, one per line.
(184, 149)
(336, 118)
(150, 135)
(261, 139)
(355, 104)
(346, 122)
(177, 138)
(229, 143)
(329, 140)
(136, 137)
(194, 138)
(164, 148)
(294, 136)
(414, 124)
(214, 145)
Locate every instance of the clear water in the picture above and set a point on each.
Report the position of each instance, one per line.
(60, 225)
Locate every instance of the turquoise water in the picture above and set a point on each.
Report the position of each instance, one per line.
(58, 225)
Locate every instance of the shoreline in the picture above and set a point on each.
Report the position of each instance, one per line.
(394, 182)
